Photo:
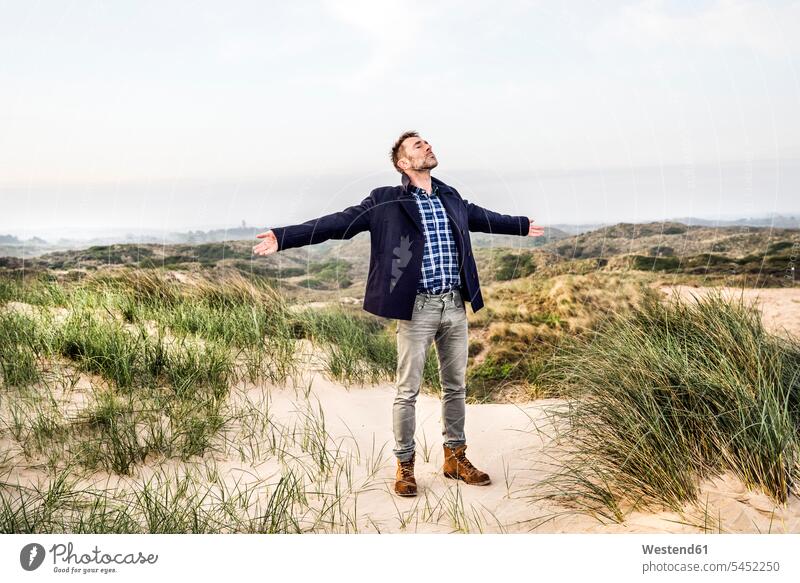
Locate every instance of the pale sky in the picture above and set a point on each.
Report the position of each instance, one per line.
(179, 115)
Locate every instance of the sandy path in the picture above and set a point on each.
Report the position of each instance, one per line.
(510, 442)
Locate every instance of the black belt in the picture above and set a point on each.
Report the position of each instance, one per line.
(440, 294)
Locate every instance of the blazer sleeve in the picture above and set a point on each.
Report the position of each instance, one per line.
(342, 225)
(485, 221)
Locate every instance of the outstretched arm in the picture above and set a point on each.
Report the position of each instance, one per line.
(342, 225)
(485, 221)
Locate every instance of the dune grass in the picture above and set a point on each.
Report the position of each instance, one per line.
(356, 348)
(526, 319)
(659, 397)
(670, 394)
(165, 362)
(313, 489)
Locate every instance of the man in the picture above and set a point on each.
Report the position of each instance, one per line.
(421, 270)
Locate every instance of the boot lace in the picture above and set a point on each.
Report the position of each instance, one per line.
(407, 469)
(462, 460)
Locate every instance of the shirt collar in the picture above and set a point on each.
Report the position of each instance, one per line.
(415, 190)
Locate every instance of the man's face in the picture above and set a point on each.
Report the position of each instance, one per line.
(419, 154)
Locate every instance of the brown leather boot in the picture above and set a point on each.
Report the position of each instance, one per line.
(405, 484)
(458, 467)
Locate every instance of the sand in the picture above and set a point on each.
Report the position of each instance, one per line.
(514, 443)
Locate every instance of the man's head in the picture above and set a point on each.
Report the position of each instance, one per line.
(411, 152)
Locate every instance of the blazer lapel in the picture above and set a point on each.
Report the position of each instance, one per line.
(450, 211)
(409, 205)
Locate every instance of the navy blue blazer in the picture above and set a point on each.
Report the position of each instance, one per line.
(392, 217)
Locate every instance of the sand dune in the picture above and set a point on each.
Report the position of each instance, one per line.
(514, 443)
(780, 307)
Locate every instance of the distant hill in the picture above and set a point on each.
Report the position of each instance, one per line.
(777, 221)
(669, 247)
(672, 239)
(768, 253)
(12, 246)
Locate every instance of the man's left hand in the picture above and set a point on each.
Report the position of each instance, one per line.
(535, 231)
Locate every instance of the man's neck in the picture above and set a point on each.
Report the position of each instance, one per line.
(420, 179)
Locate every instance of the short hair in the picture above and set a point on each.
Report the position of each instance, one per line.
(395, 153)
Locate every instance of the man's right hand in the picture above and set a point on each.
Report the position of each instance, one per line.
(268, 245)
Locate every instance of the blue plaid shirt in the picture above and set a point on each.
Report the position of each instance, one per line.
(440, 258)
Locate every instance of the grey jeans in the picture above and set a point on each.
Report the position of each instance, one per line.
(442, 319)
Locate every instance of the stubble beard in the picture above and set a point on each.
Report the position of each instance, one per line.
(429, 163)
